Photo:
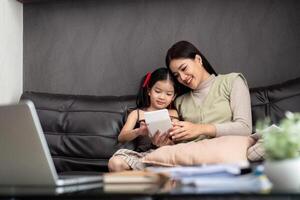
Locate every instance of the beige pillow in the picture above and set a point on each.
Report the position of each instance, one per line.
(225, 149)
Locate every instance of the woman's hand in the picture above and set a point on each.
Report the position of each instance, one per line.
(183, 130)
(161, 139)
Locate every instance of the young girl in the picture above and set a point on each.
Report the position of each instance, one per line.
(157, 91)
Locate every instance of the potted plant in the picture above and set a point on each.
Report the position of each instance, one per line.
(282, 153)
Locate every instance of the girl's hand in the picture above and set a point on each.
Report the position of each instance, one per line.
(184, 131)
(143, 129)
(161, 139)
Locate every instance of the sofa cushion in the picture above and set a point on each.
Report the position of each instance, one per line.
(225, 149)
(273, 101)
(81, 131)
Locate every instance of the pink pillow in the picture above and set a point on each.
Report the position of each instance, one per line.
(225, 149)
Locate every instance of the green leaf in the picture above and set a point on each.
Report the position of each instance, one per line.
(283, 143)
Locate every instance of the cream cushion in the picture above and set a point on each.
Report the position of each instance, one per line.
(225, 149)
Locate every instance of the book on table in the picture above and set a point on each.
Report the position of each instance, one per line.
(134, 177)
(136, 188)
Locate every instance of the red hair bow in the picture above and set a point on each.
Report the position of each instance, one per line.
(146, 81)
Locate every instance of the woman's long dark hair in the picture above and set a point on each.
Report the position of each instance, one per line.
(160, 74)
(185, 49)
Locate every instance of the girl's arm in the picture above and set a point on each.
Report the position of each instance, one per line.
(128, 132)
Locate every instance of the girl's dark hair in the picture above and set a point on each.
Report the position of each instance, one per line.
(160, 74)
(185, 49)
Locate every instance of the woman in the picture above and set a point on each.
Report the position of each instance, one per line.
(216, 105)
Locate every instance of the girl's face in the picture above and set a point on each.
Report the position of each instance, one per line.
(161, 94)
(189, 72)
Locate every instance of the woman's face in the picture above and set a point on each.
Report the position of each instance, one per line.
(189, 72)
(161, 94)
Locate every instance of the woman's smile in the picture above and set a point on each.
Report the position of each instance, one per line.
(188, 80)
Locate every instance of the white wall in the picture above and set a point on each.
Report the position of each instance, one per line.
(11, 51)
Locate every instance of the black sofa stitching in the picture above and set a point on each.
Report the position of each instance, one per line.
(75, 134)
(106, 111)
(64, 124)
(274, 101)
(284, 98)
(79, 158)
(267, 108)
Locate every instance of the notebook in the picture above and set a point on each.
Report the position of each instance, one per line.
(158, 120)
(24, 153)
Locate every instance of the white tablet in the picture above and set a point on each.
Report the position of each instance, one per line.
(158, 120)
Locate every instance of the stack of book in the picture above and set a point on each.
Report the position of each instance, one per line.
(133, 182)
(217, 178)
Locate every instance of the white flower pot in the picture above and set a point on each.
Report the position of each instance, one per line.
(284, 174)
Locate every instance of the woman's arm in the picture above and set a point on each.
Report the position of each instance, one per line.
(241, 123)
(183, 130)
(240, 104)
(174, 115)
(128, 132)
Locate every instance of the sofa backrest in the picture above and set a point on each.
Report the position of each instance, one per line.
(82, 131)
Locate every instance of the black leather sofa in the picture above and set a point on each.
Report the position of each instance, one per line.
(82, 131)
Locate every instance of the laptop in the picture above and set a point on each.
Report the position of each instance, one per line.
(24, 154)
